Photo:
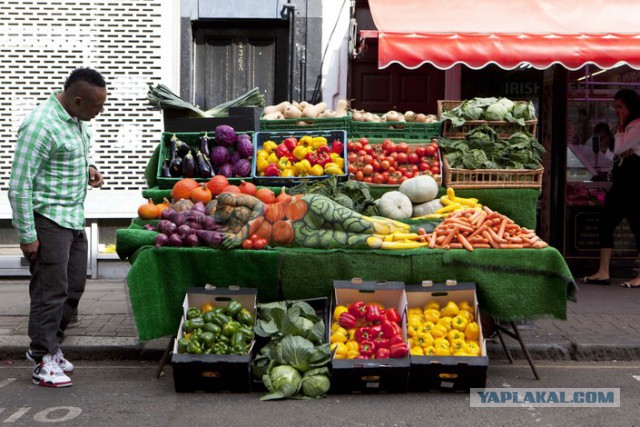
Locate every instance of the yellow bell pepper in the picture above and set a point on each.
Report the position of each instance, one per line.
(466, 315)
(424, 339)
(352, 354)
(459, 322)
(431, 315)
(455, 334)
(305, 141)
(438, 331)
(351, 333)
(318, 141)
(472, 331)
(353, 346)
(335, 158)
(283, 163)
(302, 167)
(414, 310)
(446, 322)
(261, 164)
(417, 351)
(442, 352)
(340, 350)
(269, 146)
(464, 305)
(338, 311)
(316, 170)
(432, 305)
(333, 169)
(335, 326)
(300, 152)
(290, 171)
(451, 309)
(414, 327)
(461, 353)
(272, 159)
(429, 351)
(262, 153)
(441, 343)
(428, 326)
(458, 345)
(340, 335)
(473, 348)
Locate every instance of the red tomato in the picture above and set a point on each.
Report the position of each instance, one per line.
(384, 165)
(421, 151)
(402, 158)
(359, 176)
(363, 141)
(368, 179)
(368, 159)
(414, 168)
(391, 147)
(350, 146)
(430, 150)
(260, 244)
(367, 170)
(352, 168)
(435, 170)
(402, 179)
(414, 159)
(402, 147)
(357, 146)
(423, 166)
(368, 148)
(408, 174)
(247, 244)
(254, 237)
(361, 152)
(378, 178)
(434, 143)
(352, 157)
(392, 180)
(376, 165)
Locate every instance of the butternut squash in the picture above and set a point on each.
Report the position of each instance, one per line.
(273, 116)
(292, 112)
(341, 107)
(279, 108)
(327, 113)
(313, 110)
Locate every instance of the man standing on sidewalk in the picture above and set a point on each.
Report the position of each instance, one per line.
(49, 177)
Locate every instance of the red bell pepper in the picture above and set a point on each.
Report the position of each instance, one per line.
(313, 158)
(347, 321)
(290, 143)
(337, 147)
(323, 155)
(399, 350)
(373, 313)
(282, 150)
(392, 314)
(396, 340)
(357, 309)
(362, 334)
(390, 329)
(360, 357)
(367, 348)
(375, 331)
(382, 353)
(272, 170)
(381, 342)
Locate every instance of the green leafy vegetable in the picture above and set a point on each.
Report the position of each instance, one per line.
(282, 381)
(315, 382)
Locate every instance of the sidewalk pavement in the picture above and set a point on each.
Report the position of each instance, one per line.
(603, 325)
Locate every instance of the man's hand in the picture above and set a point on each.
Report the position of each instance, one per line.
(30, 250)
(95, 178)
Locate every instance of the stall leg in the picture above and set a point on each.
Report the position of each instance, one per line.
(165, 357)
(515, 334)
(504, 346)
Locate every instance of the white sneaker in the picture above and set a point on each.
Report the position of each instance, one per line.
(48, 373)
(67, 367)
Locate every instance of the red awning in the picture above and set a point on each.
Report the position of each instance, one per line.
(511, 33)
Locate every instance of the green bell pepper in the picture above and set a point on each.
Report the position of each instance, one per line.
(209, 351)
(245, 317)
(193, 312)
(222, 348)
(207, 338)
(240, 349)
(238, 339)
(229, 329)
(222, 339)
(220, 319)
(219, 309)
(194, 347)
(247, 332)
(182, 345)
(233, 307)
(208, 316)
(195, 323)
(212, 327)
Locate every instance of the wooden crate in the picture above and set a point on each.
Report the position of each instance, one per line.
(491, 178)
(503, 128)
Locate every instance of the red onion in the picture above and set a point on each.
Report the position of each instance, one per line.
(161, 240)
(184, 230)
(190, 240)
(199, 207)
(175, 240)
(149, 227)
(169, 229)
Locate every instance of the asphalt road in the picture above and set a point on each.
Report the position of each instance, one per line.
(127, 394)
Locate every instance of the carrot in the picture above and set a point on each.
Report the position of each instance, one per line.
(490, 240)
(450, 236)
(440, 239)
(481, 245)
(494, 235)
(510, 246)
(432, 240)
(503, 224)
(465, 243)
(454, 246)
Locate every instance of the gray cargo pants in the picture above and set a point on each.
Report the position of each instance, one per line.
(58, 278)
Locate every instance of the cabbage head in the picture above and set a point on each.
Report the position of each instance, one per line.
(225, 135)
(282, 381)
(315, 382)
(497, 111)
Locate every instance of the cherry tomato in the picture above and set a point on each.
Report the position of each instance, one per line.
(247, 244)
(260, 243)
(254, 237)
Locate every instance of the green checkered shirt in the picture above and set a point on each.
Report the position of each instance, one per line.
(50, 170)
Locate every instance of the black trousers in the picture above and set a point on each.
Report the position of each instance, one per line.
(622, 201)
(58, 278)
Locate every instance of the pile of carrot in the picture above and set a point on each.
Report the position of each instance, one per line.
(481, 228)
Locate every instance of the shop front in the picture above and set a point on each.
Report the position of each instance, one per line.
(553, 54)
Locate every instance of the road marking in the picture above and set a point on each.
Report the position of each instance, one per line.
(44, 415)
(637, 377)
(568, 366)
(6, 382)
(16, 415)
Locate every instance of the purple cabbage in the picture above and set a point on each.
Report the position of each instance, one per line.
(225, 135)
(219, 155)
(245, 148)
(235, 156)
(226, 170)
(242, 168)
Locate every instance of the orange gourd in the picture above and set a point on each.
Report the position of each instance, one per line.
(162, 206)
(264, 230)
(201, 194)
(183, 188)
(266, 195)
(248, 188)
(148, 210)
(296, 208)
(232, 189)
(274, 212)
(283, 233)
(283, 197)
(217, 183)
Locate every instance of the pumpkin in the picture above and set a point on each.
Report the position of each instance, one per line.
(274, 212)
(201, 194)
(162, 206)
(248, 188)
(296, 208)
(232, 189)
(182, 205)
(255, 224)
(420, 189)
(283, 197)
(217, 183)
(264, 230)
(148, 210)
(282, 233)
(427, 207)
(183, 188)
(266, 195)
(210, 208)
(395, 205)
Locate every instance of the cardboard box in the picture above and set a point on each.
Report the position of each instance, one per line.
(370, 375)
(241, 119)
(212, 372)
(447, 373)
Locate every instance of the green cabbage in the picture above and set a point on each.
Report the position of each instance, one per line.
(282, 381)
(315, 383)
